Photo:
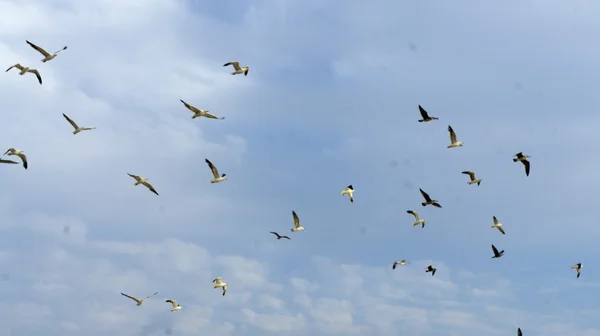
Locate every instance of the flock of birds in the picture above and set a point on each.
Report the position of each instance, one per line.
(218, 177)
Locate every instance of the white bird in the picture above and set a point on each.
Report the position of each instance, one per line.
(350, 192)
(219, 283)
(19, 153)
(238, 70)
(47, 56)
(77, 128)
(472, 177)
(138, 301)
(215, 173)
(425, 116)
(401, 263)
(297, 226)
(498, 225)
(418, 221)
(524, 161)
(25, 70)
(175, 305)
(199, 113)
(143, 181)
(453, 141)
(578, 268)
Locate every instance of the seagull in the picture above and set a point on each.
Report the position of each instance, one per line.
(401, 263)
(47, 56)
(578, 268)
(297, 226)
(200, 113)
(472, 177)
(425, 116)
(496, 253)
(19, 153)
(175, 305)
(524, 161)
(138, 302)
(238, 70)
(143, 181)
(417, 219)
(77, 128)
(430, 269)
(428, 200)
(219, 283)
(350, 192)
(498, 225)
(453, 141)
(519, 332)
(279, 236)
(215, 173)
(25, 70)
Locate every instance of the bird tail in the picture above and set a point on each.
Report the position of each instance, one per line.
(423, 204)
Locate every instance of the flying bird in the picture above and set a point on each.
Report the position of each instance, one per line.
(519, 332)
(137, 301)
(77, 128)
(578, 268)
(219, 283)
(453, 141)
(472, 177)
(297, 226)
(19, 153)
(279, 236)
(143, 181)
(428, 200)
(498, 225)
(425, 116)
(25, 70)
(47, 56)
(215, 173)
(175, 305)
(401, 263)
(200, 113)
(418, 221)
(524, 161)
(350, 192)
(496, 253)
(238, 70)
(430, 269)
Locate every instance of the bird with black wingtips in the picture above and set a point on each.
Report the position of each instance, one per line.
(349, 190)
(216, 177)
(578, 268)
(418, 221)
(425, 115)
(297, 226)
(430, 269)
(497, 225)
(279, 236)
(200, 113)
(238, 70)
(143, 181)
(472, 177)
(25, 70)
(523, 159)
(176, 306)
(19, 153)
(138, 302)
(453, 142)
(219, 283)
(76, 127)
(496, 253)
(428, 200)
(402, 262)
(47, 55)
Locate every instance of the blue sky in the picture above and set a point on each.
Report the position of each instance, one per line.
(330, 100)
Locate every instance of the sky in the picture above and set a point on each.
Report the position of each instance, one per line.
(330, 100)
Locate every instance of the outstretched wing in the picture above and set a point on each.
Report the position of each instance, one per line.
(500, 229)
(494, 249)
(37, 74)
(149, 186)
(236, 65)
(519, 332)
(423, 113)
(218, 280)
(296, 219)
(131, 297)
(425, 195)
(212, 167)
(173, 302)
(8, 161)
(149, 296)
(495, 220)
(41, 51)
(470, 173)
(526, 164)
(414, 213)
(190, 107)
(452, 134)
(18, 66)
(71, 121)
(275, 233)
(137, 178)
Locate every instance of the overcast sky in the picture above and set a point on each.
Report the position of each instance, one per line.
(330, 100)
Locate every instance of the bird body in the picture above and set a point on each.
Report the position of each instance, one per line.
(578, 268)
(47, 55)
(453, 142)
(523, 159)
(472, 178)
(297, 226)
(215, 172)
(425, 116)
(143, 181)
(418, 221)
(350, 192)
(496, 253)
(498, 225)
(279, 236)
(76, 127)
(175, 305)
(138, 302)
(219, 283)
(430, 269)
(428, 200)
(25, 70)
(238, 70)
(199, 113)
(19, 153)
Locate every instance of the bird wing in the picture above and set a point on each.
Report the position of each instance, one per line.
(526, 164)
(210, 115)
(275, 233)
(495, 249)
(190, 107)
(286, 237)
(131, 297)
(236, 65)
(212, 167)
(137, 178)
(173, 302)
(149, 296)
(24, 159)
(519, 332)
(519, 155)
(470, 173)
(433, 271)
(7, 161)
(414, 213)
(495, 220)
(350, 187)
(452, 134)
(425, 195)
(18, 66)
(37, 74)
(500, 229)
(149, 186)
(423, 113)
(296, 219)
(71, 121)
(42, 51)
(218, 280)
